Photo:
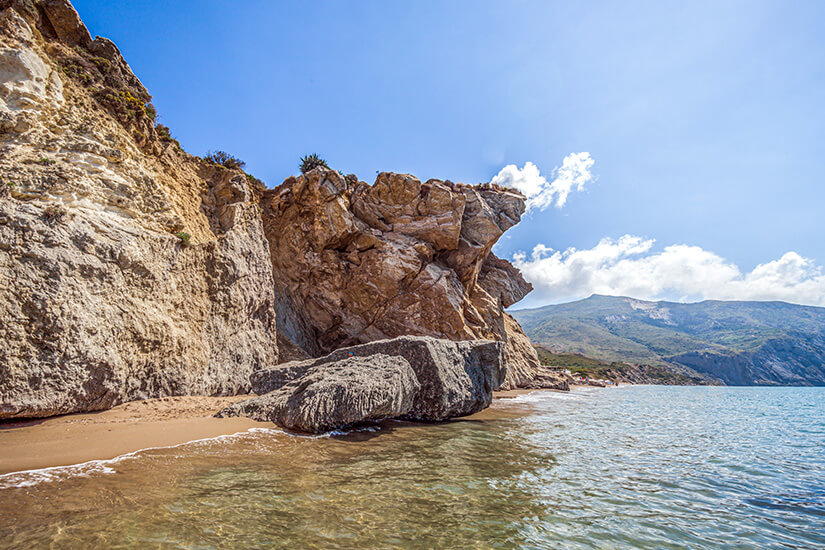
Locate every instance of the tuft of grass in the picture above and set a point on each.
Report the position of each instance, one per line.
(311, 162)
(222, 158)
(43, 161)
(184, 237)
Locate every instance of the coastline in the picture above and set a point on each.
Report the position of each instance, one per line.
(77, 438)
(134, 426)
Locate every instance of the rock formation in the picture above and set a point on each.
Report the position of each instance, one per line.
(128, 269)
(356, 263)
(415, 378)
(337, 394)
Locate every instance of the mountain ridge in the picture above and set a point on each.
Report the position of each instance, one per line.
(736, 342)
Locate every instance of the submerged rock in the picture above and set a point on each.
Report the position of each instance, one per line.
(337, 394)
(451, 379)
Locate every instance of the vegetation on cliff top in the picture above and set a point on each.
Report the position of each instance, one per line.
(310, 162)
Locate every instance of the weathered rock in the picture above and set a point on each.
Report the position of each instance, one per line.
(360, 263)
(100, 301)
(547, 379)
(337, 394)
(456, 378)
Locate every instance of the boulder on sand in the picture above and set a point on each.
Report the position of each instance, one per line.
(355, 389)
(348, 385)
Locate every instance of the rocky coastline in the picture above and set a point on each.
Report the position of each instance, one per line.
(133, 270)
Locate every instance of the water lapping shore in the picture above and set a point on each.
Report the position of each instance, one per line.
(645, 467)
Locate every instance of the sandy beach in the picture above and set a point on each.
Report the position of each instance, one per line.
(77, 438)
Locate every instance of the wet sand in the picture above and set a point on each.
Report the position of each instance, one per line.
(77, 438)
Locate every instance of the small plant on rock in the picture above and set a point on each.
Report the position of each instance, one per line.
(54, 213)
(222, 158)
(310, 162)
(184, 237)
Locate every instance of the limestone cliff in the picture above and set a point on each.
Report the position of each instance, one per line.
(128, 269)
(131, 269)
(354, 263)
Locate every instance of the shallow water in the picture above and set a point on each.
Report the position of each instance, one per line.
(632, 467)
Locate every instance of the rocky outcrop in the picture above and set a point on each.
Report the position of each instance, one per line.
(356, 263)
(414, 378)
(337, 394)
(455, 378)
(128, 269)
(548, 379)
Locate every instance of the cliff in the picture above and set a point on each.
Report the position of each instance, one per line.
(354, 263)
(128, 269)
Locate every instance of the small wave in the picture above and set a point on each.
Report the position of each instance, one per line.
(333, 433)
(539, 396)
(30, 478)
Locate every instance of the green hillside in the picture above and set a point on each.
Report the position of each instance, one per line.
(736, 342)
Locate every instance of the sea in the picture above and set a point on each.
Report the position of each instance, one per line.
(628, 467)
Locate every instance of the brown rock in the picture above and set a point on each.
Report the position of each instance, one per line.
(356, 263)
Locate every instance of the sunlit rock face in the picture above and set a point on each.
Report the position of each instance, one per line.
(102, 299)
(355, 263)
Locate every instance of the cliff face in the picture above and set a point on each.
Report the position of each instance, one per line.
(795, 360)
(100, 301)
(130, 269)
(354, 263)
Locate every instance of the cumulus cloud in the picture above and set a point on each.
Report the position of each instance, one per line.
(628, 267)
(573, 174)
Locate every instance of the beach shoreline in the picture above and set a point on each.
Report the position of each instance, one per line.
(73, 439)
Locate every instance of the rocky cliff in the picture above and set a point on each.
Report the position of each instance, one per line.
(354, 263)
(131, 269)
(128, 269)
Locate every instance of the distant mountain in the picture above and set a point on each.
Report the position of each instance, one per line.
(738, 343)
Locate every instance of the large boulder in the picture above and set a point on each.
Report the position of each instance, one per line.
(337, 394)
(364, 262)
(414, 378)
(456, 378)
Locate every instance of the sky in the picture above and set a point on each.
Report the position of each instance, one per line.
(669, 150)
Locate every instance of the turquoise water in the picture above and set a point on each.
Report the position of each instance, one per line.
(632, 467)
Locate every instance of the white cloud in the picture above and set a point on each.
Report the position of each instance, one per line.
(626, 267)
(573, 175)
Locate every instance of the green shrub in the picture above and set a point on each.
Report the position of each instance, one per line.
(45, 162)
(184, 237)
(222, 158)
(310, 162)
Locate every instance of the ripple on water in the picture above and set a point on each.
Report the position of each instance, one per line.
(634, 467)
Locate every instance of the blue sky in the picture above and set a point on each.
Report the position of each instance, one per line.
(704, 120)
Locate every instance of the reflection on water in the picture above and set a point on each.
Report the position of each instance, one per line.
(635, 467)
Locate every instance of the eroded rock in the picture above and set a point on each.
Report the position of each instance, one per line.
(454, 378)
(356, 263)
(337, 394)
(100, 301)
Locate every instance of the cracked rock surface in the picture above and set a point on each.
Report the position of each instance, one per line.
(355, 263)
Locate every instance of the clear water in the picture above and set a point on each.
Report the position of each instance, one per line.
(633, 467)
